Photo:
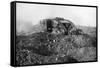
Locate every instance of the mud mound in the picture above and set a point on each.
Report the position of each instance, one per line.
(60, 42)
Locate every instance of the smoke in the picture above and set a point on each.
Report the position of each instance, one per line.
(23, 26)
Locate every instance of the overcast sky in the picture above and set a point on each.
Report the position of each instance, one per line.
(30, 14)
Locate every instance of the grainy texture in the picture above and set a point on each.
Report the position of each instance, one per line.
(61, 43)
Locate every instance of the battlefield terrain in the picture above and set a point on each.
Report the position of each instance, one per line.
(59, 41)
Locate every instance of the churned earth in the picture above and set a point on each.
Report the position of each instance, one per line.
(48, 48)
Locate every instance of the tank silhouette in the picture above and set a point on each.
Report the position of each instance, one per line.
(59, 25)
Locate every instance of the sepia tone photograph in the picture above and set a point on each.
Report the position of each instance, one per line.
(55, 34)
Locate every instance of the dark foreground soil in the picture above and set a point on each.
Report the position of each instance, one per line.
(47, 48)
